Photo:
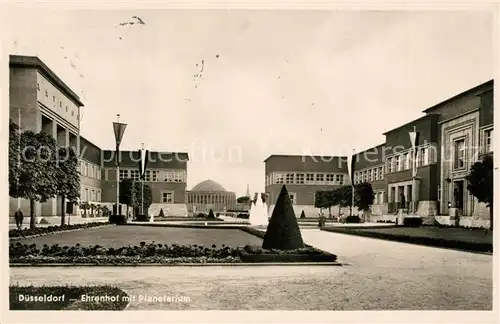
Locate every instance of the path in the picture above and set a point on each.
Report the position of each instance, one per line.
(380, 275)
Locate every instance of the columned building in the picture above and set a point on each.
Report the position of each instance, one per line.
(40, 101)
(303, 176)
(208, 195)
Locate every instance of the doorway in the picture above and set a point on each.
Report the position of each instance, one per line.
(458, 194)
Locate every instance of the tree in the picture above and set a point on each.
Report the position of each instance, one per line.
(128, 193)
(68, 184)
(243, 200)
(363, 196)
(344, 196)
(283, 231)
(480, 183)
(320, 200)
(37, 170)
(337, 198)
(148, 196)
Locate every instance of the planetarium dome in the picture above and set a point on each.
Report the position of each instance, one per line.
(208, 185)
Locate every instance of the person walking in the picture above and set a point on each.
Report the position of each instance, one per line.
(18, 215)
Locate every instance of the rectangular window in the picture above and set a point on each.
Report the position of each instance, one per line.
(300, 178)
(310, 178)
(123, 174)
(53, 98)
(279, 177)
(397, 163)
(320, 177)
(375, 174)
(134, 174)
(370, 175)
(488, 140)
(340, 179)
(365, 176)
(439, 193)
(93, 195)
(389, 165)
(406, 161)
(330, 178)
(381, 173)
(422, 158)
(293, 197)
(289, 178)
(86, 194)
(155, 174)
(459, 154)
(147, 175)
(167, 197)
(46, 93)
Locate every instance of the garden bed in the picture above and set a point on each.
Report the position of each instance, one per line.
(188, 219)
(454, 238)
(66, 298)
(40, 231)
(159, 254)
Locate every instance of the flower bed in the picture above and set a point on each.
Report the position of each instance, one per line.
(158, 254)
(37, 231)
(66, 298)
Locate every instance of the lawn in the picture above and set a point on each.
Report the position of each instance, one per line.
(118, 236)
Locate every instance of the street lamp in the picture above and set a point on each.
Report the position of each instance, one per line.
(119, 129)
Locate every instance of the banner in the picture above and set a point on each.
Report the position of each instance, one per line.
(351, 159)
(414, 143)
(143, 162)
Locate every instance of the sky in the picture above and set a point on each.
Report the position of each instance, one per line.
(272, 82)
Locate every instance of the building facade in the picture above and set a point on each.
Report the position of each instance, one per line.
(303, 177)
(41, 102)
(208, 195)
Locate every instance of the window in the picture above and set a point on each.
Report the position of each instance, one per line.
(406, 161)
(86, 194)
(99, 171)
(365, 176)
(488, 140)
(60, 103)
(167, 197)
(38, 86)
(72, 112)
(340, 179)
(177, 176)
(459, 154)
(93, 195)
(439, 193)
(389, 165)
(134, 174)
(330, 178)
(300, 178)
(381, 173)
(289, 178)
(293, 197)
(66, 108)
(422, 158)
(370, 175)
(279, 178)
(396, 163)
(46, 93)
(147, 175)
(310, 177)
(123, 174)
(320, 177)
(53, 98)
(375, 174)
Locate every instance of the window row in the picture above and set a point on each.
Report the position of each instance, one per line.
(90, 170)
(54, 101)
(367, 175)
(90, 195)
(304, 178)
(404, 161)
(154, 175)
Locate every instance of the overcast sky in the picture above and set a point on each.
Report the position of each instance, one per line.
(273, 82)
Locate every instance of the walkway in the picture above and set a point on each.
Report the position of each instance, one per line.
(380, 275)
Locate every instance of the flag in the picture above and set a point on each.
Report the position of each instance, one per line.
(119, 129)
(414, 143)
(143, 162)
(350, 166)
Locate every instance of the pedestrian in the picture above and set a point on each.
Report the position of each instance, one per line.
(18, 215)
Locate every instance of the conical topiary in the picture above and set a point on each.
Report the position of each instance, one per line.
(211, 214)
(161, 213)
(303, 215)
(283, 231)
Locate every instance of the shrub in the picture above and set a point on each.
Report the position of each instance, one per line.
(201, 215)
(16, 233)
(211, 214)
(118, 219)
(302, 215)
(412, 221)
(242, 215)
(142, 218)
(353, 219)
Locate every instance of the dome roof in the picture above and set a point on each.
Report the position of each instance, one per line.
(208, 185)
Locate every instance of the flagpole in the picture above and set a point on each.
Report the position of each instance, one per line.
(18, 153)
(142, 182)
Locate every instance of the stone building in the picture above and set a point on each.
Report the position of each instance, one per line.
(207, 195)
(40, 101)
(303, 177)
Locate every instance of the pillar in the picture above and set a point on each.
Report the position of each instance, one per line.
(415, 194)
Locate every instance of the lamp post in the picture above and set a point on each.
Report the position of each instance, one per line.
(350, 172)
(414, 139)
(119, 129)
(142, 179)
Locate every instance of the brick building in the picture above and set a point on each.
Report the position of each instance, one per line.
(41, 102)
(303, 175)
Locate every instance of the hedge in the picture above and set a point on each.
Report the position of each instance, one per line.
(69, 298)
(14, 233)
(421, 240)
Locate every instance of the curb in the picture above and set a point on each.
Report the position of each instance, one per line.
(16, 238)
(67, 265)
